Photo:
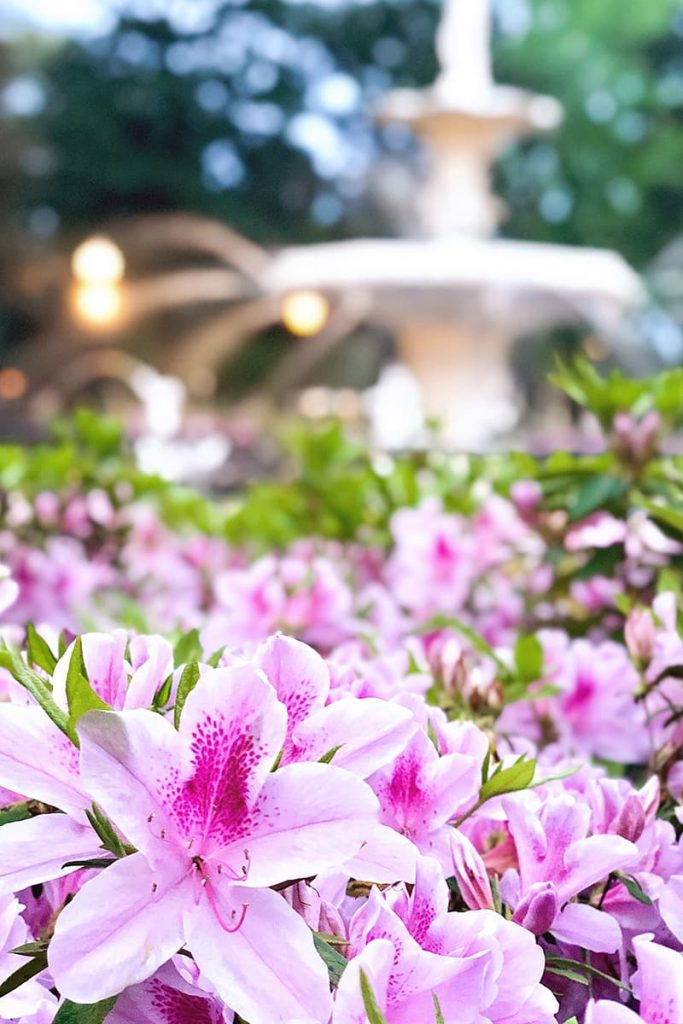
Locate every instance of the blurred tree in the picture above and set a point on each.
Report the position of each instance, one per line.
(261, 114)
(611, 175)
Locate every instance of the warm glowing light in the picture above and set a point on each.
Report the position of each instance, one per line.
(98, 304)
(315, 403)
(305, 313)
(595, 348)
(98, 261)
(12, 383)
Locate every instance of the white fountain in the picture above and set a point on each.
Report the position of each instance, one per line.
(454, 297)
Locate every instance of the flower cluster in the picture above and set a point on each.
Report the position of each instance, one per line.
(435, 778)
(260, 837)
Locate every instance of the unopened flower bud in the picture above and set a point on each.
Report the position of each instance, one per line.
(639, 633)
(630, 820)
(470, 873)
(538, 908)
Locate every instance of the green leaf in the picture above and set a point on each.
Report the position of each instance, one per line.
(84, 1013)
(93, 862)
(666, 515)
(596, 492)
(188, 681)
(106, 832)
(508, 780)
(529, 658)
(24, 973)
(624, 603)
(326, 758)
(161, 697)
(555, 777)
(80, 695)
(216, 657)
(187, 648)
(37, 687)
(331, 957)
(571, 973)
(577, 971)
(635, 889)
(375, 1015)
(572, 1020)
(438, 1015)
(15, 812)
(30, 949)
(38, 651)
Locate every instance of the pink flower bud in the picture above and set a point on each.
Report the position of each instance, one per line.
(526, 495)
(630, 820)
(538, 908)
(639, 633)
(470, 873)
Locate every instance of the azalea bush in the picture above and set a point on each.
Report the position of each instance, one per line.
(395, 740)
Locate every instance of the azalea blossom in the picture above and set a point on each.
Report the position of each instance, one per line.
(213, 826)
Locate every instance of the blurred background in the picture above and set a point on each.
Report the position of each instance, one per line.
(392, 211)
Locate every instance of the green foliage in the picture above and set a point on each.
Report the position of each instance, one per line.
(38, 650)
(438, 1014)
(188, 681)
(607, 396)
(609, 175)
(529, 658)
(375, 1015)
(84, 1013)
(508, 780)
(331, 957)
(15, 812)
(40, 689)
(89, 452)
(24, 973)
(80, 696)
(106, 832)
(187, 648)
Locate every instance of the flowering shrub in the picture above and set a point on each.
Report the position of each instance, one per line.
(426, 773)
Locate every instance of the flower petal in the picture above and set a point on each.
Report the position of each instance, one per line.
(375, 961)
(582, 925)
(129, 763)
(299, 675)
(118, 930)
(34, 851)
(251, 969)
(233, 726)
(37, 759)
(370, 733)
(308, 818)
(658, 982)
(607, 1011)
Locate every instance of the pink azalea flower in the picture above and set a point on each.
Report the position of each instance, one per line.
(600, 530)
(9, 589)
(421, 792)
(431, 567)
(557, 859)
(41, 763)
(214, 827)
(365, 734)
(168, 998)
(481, 967)
(32, 998)
(658, 983)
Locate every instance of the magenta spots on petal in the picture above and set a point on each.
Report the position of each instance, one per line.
(176, 1007)
(215, 803)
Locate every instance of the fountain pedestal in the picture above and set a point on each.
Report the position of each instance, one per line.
(463, 121)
